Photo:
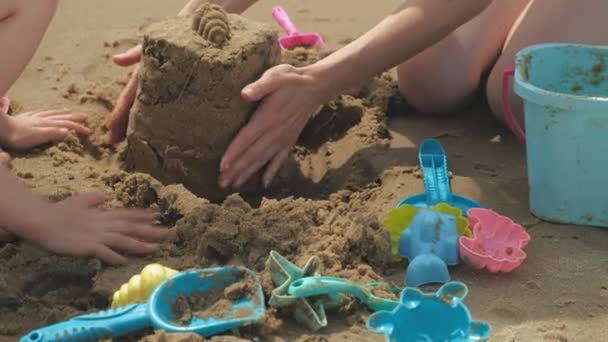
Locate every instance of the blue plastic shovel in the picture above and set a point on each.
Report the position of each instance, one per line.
(157, 312)
(434, 167)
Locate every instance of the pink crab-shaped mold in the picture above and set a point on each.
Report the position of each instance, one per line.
(497, 243)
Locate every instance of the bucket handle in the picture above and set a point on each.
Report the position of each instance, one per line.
(506, 106)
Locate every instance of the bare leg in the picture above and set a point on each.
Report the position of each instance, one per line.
(545, 21)
(444, 77)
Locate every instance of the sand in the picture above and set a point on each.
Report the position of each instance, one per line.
(355, 161)
(217, 301)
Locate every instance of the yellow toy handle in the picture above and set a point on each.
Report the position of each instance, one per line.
(141, 286)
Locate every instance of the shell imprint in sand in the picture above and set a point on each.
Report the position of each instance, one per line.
(211, 22)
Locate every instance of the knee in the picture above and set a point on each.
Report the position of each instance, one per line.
(436, 87)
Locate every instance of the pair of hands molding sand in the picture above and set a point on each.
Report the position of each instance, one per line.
(287, 98)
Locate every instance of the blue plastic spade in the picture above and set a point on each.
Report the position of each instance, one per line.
(430, 317)
(434, 168)
(157, 313)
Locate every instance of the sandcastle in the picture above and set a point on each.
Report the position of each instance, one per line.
(188, 106)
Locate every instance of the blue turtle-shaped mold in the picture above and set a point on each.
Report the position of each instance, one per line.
(430, 244)
(430, 317)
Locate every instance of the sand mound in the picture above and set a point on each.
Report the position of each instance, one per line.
(188, 107)
(40, 288)
(296, 228)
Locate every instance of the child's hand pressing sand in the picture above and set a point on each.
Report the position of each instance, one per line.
(31, 129)
(78, 225)
(289, 96)
(120, 115)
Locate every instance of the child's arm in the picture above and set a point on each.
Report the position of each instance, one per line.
(291, 94)
(76, 226)
(414, 27)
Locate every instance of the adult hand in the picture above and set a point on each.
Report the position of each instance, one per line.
(289, 96)
(120, 115)
(31, 129)
(77, 226)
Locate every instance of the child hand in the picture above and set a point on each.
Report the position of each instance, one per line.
(5, 104)
(288, 98)
(120, 115)
(31, 129)
(77, 226)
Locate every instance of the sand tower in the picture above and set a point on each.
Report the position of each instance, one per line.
(188, 107)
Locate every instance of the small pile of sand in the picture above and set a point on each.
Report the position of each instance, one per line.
(234, 232)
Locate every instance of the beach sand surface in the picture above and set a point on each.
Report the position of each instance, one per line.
(560, 293)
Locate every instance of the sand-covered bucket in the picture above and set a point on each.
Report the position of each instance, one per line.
(564, 88)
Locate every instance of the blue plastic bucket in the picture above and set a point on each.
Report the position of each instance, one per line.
(564, 88)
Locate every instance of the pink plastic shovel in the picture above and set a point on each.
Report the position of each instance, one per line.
(294, 39)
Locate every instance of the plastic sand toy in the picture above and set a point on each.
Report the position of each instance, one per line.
(307, 311)
(430, 317)
(564, 97)
(294, 39)
(497, 243)
(400, 218)
(141, 286)
(158, 312)
(317, 286)
(430, 244)
(434, 167)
